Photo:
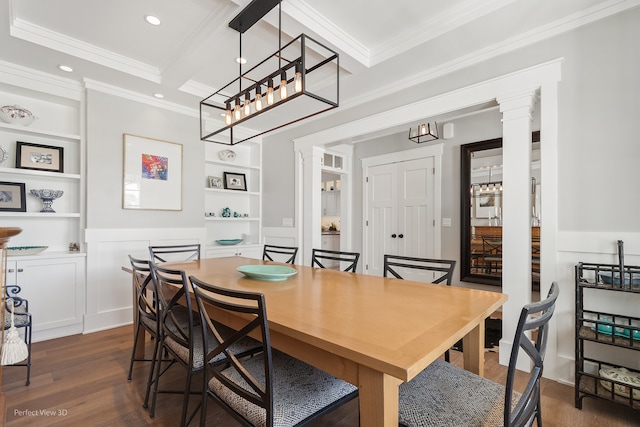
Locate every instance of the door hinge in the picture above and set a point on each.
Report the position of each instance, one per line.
(366, 267)
(366, 179)
(433, 171)
(366, 223)
(434, 222)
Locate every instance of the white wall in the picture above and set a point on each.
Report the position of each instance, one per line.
(597, 152)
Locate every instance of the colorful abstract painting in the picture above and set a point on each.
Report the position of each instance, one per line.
(155, 167)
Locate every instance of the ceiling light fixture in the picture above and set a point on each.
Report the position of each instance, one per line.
(158, 95)
(241, 60)
(311, 68)
(424, 133)
(153, 20)
(65, 68)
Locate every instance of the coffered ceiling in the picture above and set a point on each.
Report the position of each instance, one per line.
(192, 53)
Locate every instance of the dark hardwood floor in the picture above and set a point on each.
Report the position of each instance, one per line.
(82, 381)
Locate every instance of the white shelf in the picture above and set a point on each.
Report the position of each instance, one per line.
(219, 218)
(29, 172)
(34, 131)
(231, 192)
(40, 214)
(232, 164)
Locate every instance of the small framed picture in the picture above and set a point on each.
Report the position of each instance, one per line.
(12, 197)
(235, 181)
(215, 182)
(39, 157)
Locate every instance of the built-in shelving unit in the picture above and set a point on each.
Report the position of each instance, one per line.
(605, 327)
(54, 280)
(245, 205)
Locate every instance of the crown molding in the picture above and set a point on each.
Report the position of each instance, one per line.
(138, 97)
(36, 34)
(18, 75)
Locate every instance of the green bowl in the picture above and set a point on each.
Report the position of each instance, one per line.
(272, 273)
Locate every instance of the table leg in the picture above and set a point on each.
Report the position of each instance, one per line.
(473, 353)
(378, 395)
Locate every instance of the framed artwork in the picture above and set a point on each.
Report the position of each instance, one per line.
(215, 182)
(152, 174)
(12, 197)
(39, 157)
(488, 204)
(235, 181)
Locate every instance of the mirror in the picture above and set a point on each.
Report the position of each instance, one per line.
(481, 212)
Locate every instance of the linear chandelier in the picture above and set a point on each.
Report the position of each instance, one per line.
(424, 133)
(298, 81)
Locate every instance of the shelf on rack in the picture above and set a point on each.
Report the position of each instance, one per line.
(41, 214)
(45, 174)
(234, 192)
(219, 218)
(232, 165)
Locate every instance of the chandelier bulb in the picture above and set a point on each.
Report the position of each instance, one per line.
(236, 110)
(423, 129)
(247, 104)
(270, 92)
(283, 85)
(258, 102)
(227, 115)
(297, 81)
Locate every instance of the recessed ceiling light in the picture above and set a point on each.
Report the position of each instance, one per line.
(241, 60)
(153, 20)
(158, 95)
(65, 68)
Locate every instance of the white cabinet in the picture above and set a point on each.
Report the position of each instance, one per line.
(54, 287)
(244, 203)
(248, 251)
(331, 203)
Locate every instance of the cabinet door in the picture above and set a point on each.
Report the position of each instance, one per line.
(250, 252)
(54, 289)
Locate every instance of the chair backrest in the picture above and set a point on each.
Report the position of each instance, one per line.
(534, 319)
(442, 268)
(258, 388)
(320, 256)
(173, 297)
(491, 246)
(285, 253)
(146, 301)
(167, 253)
(11, 292)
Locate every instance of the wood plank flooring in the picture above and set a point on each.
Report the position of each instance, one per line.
(82, 381)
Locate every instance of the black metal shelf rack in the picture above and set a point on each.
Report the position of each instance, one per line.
(613, 329)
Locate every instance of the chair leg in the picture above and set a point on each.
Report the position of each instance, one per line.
(151, 374)
(446, 356)
(28, 335)
(133, 352)
(158, 363)
(205, 395)
(185, 401)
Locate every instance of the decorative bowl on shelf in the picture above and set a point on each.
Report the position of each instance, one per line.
(47, 197)
(228, 242)
(16, 115)
(621, 375)
(25, 250)
(227, 155)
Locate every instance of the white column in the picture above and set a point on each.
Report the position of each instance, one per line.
(516, 111)
(311, 215)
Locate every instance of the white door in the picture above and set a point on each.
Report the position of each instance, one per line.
(400, 213)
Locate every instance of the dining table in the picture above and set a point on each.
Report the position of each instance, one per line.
(371, 331)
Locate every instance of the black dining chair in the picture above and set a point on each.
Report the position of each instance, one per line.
(286, 254)
(492, 254)
(183, 340)
(168, 253)
(270, 388)
(446, 395)
(441, 270)
(22, 319)
(322, 257)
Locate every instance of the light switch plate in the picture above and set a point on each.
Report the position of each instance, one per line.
(287, 222)
(446, 222)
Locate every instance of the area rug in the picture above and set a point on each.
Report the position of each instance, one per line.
(492, 335)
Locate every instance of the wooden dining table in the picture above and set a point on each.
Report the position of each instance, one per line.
(371, 331)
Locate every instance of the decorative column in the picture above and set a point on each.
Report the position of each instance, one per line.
(311, 215)
(517, 109)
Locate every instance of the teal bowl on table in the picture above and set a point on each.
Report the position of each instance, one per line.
(272, 273)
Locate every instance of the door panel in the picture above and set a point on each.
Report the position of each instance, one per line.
(400, 202)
